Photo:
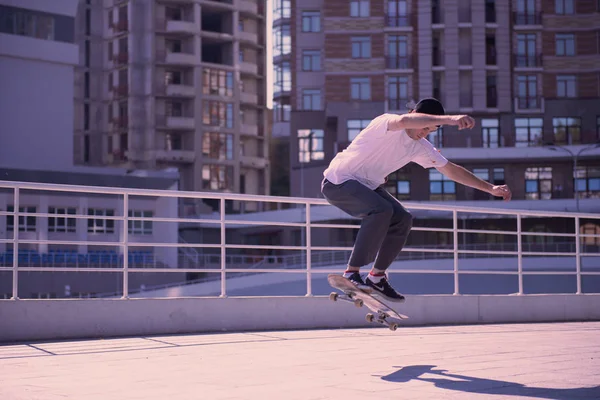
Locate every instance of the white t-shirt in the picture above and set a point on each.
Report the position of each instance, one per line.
(376, 152)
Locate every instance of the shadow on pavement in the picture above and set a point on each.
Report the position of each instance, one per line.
(470, 384)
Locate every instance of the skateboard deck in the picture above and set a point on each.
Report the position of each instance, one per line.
(359, 297)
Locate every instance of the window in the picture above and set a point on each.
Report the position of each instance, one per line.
(440, 186)
(174, 108)
(282, 41)
(281, 111)
(538, 183)
(26, 223)
(173, 77)
(528, 132)
(585, 229)
(491, 92)
(217, 113)
(437, 138)
(217, 177)
(359, 8)
(567, 130)
(355, 126)
(100, 225)
(311, 99)
(564, 7)
(361, 46)
(565, 44)
(397, 92)
(140, 226)
(283, 77)
(566, 86)
(282, 9)
(311, 21)
(310, 145)
(360, 88)
(217, 82)
(489, 132)
(18, 21)
(218, 146)
(61, 223)
(398, 184)
(587, 181)
(526, 13)
(311, 60)
(482, 173)
(490, 11)
(398, 52)
(527, 92)
(526, 50)
(173, 141)
(498, 176)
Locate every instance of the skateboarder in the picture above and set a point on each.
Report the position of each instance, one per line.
(353, 183)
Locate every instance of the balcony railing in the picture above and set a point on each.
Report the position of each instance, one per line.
(529, 102)
(312, 214)
(521, 18)
(397, 62)
(397, 21)
(528, 60)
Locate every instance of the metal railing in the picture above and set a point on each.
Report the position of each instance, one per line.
(454, 251)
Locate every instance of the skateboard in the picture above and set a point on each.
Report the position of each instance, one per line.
(360, 297)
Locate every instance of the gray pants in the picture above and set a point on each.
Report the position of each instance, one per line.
(385, 223)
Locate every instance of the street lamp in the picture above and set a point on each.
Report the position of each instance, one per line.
(575, 156)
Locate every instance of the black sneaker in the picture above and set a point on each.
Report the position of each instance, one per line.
(385, 290)
(359, 283)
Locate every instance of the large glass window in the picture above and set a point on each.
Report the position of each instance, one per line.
(566, 86)
(565, 44)
(538, 183)
(360, 88)
(217, 177)
(218, 146)
(528, 132)
(282, 40)
(282, 9)
(397, 92)
(587, 181)
(60, 222)
(355, 126)
(361, 46)
(311, 21)
(489, 132)
(311, 99)
(311, 60)
(310, 145)
(26, 223)
(567, 130)
(440, 186)
(359, 8)
(217, 82)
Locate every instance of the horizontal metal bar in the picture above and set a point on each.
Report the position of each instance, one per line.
(548, 234)
(487, 231)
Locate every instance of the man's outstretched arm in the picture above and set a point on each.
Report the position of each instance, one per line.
(465, 177)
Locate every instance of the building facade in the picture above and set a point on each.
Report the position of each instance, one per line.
(37, 57)
(174, 84)
(527, 70)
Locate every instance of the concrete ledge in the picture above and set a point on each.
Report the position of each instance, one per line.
(26, 320)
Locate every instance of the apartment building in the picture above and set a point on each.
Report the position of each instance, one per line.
(527, 70)
(166, 83)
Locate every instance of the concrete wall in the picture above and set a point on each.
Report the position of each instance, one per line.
(26, 320)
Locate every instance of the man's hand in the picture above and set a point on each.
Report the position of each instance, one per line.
(502, 191)
(462, 121)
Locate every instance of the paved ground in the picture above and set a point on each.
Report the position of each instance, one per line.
(536, 361)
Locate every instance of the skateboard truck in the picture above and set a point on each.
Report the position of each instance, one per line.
(381, 316)
(346, 297)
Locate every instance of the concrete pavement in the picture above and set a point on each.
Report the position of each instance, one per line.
(518, 361)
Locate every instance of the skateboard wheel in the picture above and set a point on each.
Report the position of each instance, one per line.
(393, 326)
(370, 317)
(333, 296)
(358, 303)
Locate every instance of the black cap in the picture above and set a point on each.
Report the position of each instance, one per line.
(430, 106)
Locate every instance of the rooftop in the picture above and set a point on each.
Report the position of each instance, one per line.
(537, 361)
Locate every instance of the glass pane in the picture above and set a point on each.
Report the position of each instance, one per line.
(531, 186)
(435, 187)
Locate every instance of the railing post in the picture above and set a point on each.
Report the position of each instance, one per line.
(308, 253)
(519, 253)
(455, 240)
(125, 246)
(578, 254)
(223, 253)
(15, 288)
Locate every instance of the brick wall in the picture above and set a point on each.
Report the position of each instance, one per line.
(340, 45)
(341, 8)
(337, 88)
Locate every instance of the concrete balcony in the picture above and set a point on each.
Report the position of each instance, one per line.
(254, 162)
(183, 156)
(248, 37)
(186, 123)
(248, 68)
(247, 129)
(182, 27)
(531, 104)
(248, 7)
(249, 98)
(181, 58)
(180, 90)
